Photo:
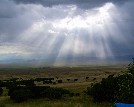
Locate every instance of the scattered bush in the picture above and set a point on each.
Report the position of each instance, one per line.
(55, 93)
(26, 82)
(20, 95)
(10, 84)
(120, 88)
(47, 82)
(104, 90)
(54, 83)
(87, 77)
(68, 79)
(75, 80)
(1, 83)
(13, 88)
(1, 91)
(14, 79)
(59, 81)
(37, 91)
(126, 88)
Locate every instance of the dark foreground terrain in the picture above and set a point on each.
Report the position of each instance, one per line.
(74, 79)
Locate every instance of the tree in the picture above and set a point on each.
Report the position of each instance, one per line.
(119, 88)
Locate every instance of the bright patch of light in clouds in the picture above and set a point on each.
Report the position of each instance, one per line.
(82, 29)
(17, 50)
(66, 32)
(87, 18)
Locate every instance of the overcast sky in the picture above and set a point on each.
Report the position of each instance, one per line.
(65, 32)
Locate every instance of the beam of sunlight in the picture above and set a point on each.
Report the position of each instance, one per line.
(74, 35)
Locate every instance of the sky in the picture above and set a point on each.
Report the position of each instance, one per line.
(66, 32)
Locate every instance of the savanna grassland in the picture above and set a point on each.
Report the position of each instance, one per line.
(75, 79)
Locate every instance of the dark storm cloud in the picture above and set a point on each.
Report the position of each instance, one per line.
(11, 16)
(7, 9)
(13, 20)
(56, 2)
(80, 3)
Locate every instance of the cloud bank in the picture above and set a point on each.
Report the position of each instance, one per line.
(62, 32)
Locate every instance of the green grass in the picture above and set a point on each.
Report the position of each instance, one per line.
(82, 101)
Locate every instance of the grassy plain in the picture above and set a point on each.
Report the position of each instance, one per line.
(95, 74)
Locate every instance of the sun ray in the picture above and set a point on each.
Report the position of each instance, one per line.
(72, 36)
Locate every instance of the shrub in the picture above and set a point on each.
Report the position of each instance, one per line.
(1, 83)
(87, 77)
(77, 94)
(126, 89)
(59, 81)
(10, 84)
(126, 85)
(47, 82)
(34, 92)
(37, 91)
(54, 83)
(120, 88)
(75, 80)
(1, 91)
(13, 88)
(55, 93)
(105, 90)
(14, 79)
(26, 82)
(68, 79)
(20, 95)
